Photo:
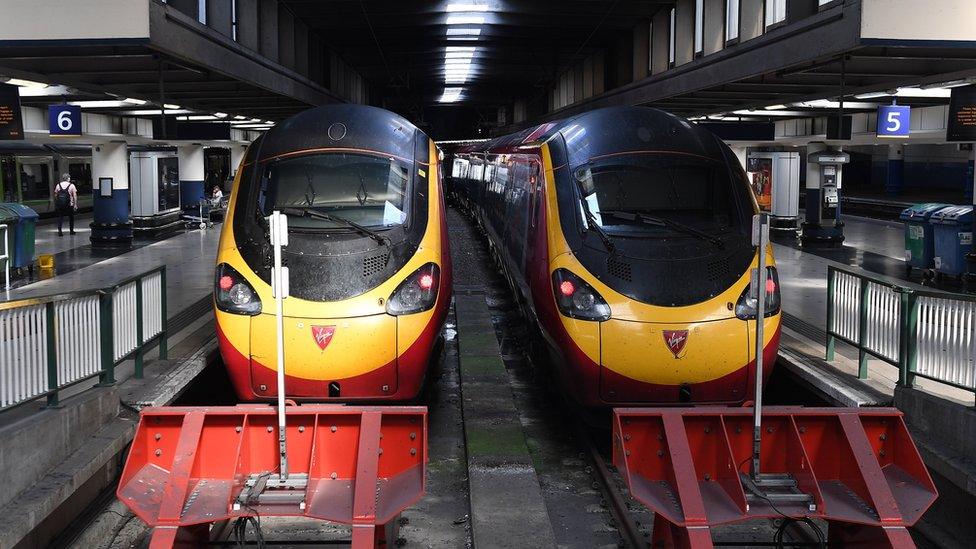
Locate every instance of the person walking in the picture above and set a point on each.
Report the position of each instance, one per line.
(66, 202)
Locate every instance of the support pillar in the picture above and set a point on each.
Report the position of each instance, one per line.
(191, 175)
(896, 169)
(236, 157)
(110, 177)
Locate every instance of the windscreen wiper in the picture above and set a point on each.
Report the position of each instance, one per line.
(592, 224)
(301, 212)
(663, 222)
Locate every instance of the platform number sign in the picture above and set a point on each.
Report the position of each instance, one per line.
(64, 119)
(894, 120)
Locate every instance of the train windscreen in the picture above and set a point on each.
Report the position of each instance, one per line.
(369, 190)
(660, 194)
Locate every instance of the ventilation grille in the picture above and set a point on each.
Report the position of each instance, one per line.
(618, 269)
(718, 270)
(375, 264)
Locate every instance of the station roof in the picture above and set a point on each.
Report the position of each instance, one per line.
(446, 60)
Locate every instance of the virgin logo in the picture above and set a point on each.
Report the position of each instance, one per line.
(676, 340)
(323, 335)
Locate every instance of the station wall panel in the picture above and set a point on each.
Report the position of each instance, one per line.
(903, 20)
(59, 20)
(247, 24)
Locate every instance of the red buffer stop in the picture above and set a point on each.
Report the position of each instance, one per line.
(856, 468)
(356, 465)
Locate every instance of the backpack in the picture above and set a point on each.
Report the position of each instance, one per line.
(62, 199)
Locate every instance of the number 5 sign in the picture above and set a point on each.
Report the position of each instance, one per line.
(894, 121)
(64, 119)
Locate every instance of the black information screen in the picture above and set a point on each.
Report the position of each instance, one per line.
(11, 122)
(962, 115)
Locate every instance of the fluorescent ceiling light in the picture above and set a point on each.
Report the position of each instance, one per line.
(464, 31)
(747, 112)
(269, 122)
(918, 92)
(135, 101)
(220, 114)
(200, 117)
(466, 20)
(774, 107)
(461, 48)
(43, 92)
(254, 127)
(153, 112)
(456, 80)
(168, 106)
(26, 83)
(104, 104)
(828, 104)
(459, 55)
(451, 95)
(872, 95)
(467, 7)
(240, 118)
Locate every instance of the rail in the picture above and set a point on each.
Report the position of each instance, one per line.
(52, 342)
(924, 333)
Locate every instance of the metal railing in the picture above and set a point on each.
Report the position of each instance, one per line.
(49, 343)
(6, 258)
(924, 333)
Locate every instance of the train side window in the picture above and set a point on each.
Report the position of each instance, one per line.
(535, 186)
(35, 181)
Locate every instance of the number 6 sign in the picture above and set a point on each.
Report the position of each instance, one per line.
(894, 121)
(64, 119)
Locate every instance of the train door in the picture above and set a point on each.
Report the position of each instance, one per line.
(8, 180)
(216, 166)
(81, 175)
(36, 182)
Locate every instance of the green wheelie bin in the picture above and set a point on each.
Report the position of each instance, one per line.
(919, 236)
(24, 234)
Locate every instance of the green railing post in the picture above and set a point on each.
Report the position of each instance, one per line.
(911, 349)
(107, 339)
(52, 356)
(163, 336)
(903, 335)
(139, 342)
(831, 341)
(862, 313)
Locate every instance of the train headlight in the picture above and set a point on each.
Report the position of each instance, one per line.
(417, 293)
(577, 299)
(745, 309)
(233, 294)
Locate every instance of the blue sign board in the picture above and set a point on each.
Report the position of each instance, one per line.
(894, 121)
(64, 119)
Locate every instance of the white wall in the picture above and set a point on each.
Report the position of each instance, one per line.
(74, 19)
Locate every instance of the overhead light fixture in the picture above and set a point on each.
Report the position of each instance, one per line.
(451, 95)
(764, 112)
(872, 95)
(829, 104)
(100, 104)
(935, 93)
(220, 114)
(240, 118)
(466, 7)
(155, 112)
(25, 83)
(173, 107)
(135, 101)
(951, 83)
(461, 48)
(464, 31)
(44, 92)
(774, 107)
(466, 19)
(269, 122)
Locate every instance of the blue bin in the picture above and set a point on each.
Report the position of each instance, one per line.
(919, 239)
(24, 234)
(953, 228)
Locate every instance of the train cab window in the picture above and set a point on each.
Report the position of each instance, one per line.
(81, 176)
(35, 181)
(659, 194)
(371, 191)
